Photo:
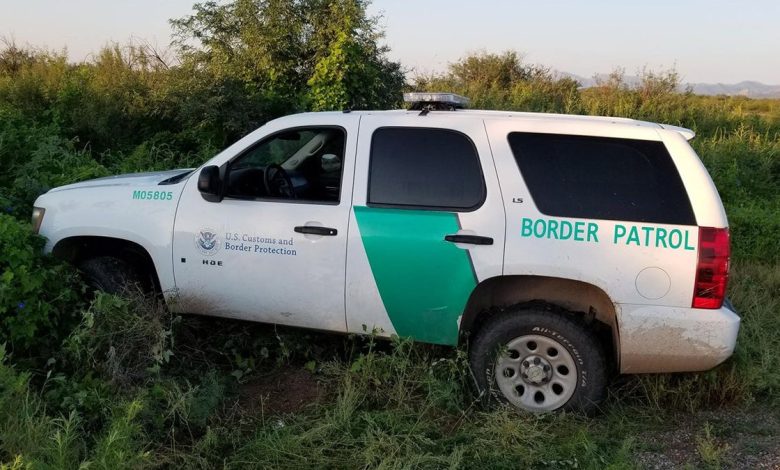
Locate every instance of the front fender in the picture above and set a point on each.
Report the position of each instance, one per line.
(112, 212)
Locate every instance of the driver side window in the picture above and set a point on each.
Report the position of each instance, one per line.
(297, 164)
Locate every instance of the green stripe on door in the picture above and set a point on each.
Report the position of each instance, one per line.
(423, 280)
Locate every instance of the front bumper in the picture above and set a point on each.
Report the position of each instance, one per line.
(657, 339)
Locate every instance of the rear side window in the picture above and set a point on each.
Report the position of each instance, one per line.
(424, 168)
(602, 178)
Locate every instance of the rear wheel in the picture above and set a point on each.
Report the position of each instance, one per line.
(112, 275)
(538, 360)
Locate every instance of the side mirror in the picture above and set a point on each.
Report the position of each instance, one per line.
(209, 184)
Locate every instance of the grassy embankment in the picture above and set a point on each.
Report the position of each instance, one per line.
(123, 384)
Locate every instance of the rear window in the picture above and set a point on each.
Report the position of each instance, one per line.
(602, 178)
(424, 168)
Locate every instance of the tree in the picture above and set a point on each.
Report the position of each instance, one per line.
(283, 56)
(503, 81)
(352, 70)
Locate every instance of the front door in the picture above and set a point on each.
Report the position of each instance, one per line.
(273, 249)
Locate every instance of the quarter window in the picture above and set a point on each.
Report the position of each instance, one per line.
(424, 168)
(602, 178)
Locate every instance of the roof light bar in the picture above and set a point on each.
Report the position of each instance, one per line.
(438, 101)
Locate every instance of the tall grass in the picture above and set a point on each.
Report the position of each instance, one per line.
(30, 438)
(133, 386)
(388, 405)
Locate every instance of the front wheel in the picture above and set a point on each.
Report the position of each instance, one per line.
(112, 275)
(539, 360)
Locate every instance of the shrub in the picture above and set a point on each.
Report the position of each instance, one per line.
(30, 438)
(745, 166)
(38, 295)
(123, 338)
(54, 162)
(17, 136)
(164, 151)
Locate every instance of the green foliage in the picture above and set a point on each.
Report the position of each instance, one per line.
(54, 162)
(257, 60)
(18, 136)
(712, 453)
(132, 108)
(123, 383)
(29, 435)
(352, 72)
(367, 426)
(29, 438)
(488, 79)
(753, 288)
(328, 84)
(745, 166)
(121, 443)
(37, 294)
(124, 339)
(162, 151)
(503, 81)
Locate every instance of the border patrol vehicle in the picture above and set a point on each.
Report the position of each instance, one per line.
(561, 248)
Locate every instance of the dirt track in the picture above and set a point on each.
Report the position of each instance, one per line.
(738, 439)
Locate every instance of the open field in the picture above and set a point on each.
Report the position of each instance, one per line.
(122, 383)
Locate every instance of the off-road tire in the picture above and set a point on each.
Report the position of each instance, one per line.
(579, 339)
(112, 275)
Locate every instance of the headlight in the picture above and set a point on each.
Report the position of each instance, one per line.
(37, 218)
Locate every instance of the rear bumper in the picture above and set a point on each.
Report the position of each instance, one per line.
(669, 339)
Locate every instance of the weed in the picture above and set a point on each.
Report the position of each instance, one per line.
(712, 453)
(125, 338)
(31, 438)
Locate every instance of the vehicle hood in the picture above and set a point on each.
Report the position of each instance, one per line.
(153, 178)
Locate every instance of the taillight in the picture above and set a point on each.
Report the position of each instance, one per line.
(712, 268)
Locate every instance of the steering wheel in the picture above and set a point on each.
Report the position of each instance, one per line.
(277, 182)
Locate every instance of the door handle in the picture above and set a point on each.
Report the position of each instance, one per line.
(314, 230)
(471, 239)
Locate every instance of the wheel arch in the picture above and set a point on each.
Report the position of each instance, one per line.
(577, 297)
(77, 249)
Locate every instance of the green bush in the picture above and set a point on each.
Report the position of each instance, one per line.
(745, 166)
(38, 296)
(30, 438)
(53, 162)
(164, 151)
(18, 135)
(753, 228)
(124, 339)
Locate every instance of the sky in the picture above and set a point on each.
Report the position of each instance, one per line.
(704, 40)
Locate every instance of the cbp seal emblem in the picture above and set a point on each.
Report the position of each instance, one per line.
(207, 241)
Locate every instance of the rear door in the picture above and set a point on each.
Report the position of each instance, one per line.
(427, 224)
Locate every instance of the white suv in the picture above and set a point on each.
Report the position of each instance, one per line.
(561, 248)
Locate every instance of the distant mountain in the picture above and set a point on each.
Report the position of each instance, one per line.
(747, 88)
(750, 89)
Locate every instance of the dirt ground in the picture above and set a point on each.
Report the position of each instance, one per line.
(285, 391)
(737, 439)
